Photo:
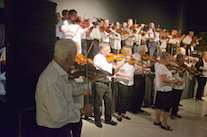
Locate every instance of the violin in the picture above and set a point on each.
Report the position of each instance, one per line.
(145, 57)
(102, 29)
(119, 57)
(135, 26)
(120, 31)
(82, 24)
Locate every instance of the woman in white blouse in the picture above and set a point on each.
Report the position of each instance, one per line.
(125, 78)
(163, 85)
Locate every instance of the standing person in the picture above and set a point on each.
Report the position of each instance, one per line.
(55, 110)
(187, 40)
(71, 30)
(138, 92)
(201, 66)
(178, 87)
(102, 86)
(115, 39)
(96, 36)
(60, 23)
(129, 40)
(105, 35)
(152, 40)
(125, 79)
(57, 27)
(164, 90)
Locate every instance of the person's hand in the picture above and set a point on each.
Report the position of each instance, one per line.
(87, 109)
(175, 81)
(148, 70)
(142, 25)
(127, 58)
(130, 77)
(180, 81)
(114, 76)
(86, 92)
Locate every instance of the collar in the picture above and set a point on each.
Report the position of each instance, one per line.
(58, 68)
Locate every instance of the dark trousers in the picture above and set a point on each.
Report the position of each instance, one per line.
(63, 131)
(172, 49)
(102, 91)
(191, 87)
(138, 93)
(94, 49)
(152, 48)
(176, 95)
(83, 46)
(124, 93)
(201, 85)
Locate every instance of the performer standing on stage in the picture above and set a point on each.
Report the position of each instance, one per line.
(152, 40)
(138, 92)
(102, 85)
(177, 90)
(201, 66)
(164, 90)
(129, 40)
(55, 110)
(125, 79)
(71, 30)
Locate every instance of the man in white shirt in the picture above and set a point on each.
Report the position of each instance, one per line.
(102, 86)
(55, 109)
(152, 39)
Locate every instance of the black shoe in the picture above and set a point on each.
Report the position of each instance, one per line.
(166, 128)
(134, 111)
(179, 116)
(158, 124)
(111, 122)
(128, 118)
(180, 105)
(98, 124)
(119, 119)
(140, 110)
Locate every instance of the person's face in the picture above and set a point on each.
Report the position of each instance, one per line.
(66, 15)
(191, 34)
(166, 61)
(124, 24)
(106, 51)
(117, 26)
(130, 52)
(73, 16)
(101, 24)
(58, 16)
(130, 22)
(151, 25)
(205, 56)
(106, 23)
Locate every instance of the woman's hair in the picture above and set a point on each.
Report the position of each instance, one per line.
(64, 12)
(179, 57)
(125, 50)
(164, 55)
(65, 47)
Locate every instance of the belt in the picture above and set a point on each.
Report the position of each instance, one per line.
(107, 83)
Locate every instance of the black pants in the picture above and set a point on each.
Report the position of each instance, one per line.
(191, 87)
(138, 93)
(201, 85)
(171, 49)
(64, 131)
(94, 49)
(83, 46)
(102, 91)
(124, 93)
(176, 95)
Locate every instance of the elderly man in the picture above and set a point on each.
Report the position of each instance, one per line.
(56, 111)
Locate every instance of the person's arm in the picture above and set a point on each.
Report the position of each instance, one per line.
(123, 75)
(164, 79)
(117, 66)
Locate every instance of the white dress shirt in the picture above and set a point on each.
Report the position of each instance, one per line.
(187, 40)
(95, 33)
(54, 102)
(153, 34)
(114, 42)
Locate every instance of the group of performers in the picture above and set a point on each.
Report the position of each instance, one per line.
(136, 56)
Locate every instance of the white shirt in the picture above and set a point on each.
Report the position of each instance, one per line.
(57, 31)
(105, 37)
(162, 86)
(173, 40)
(187, 40)
(60, 23)
(95, 33)
(54, 102)
(163, 44)
(67, 25)
(114, 42)
(126, 69)
(153, 34)
(101, 62)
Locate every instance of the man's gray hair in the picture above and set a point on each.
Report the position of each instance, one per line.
(65, 47)
(103, 45)
(164, 55)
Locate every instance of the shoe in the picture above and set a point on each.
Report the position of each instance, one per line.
(111, 122)
(158, 124)
(201, 99)
(180, 105)
(134, 111)
(128, 118)
(196, 100)
(140, 110)
(173, 117)
(179, 116)
(98, 124)
(119, 119)
(166, 128)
